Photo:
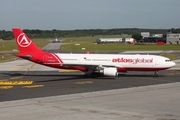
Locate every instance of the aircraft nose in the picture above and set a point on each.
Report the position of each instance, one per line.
(173, 64)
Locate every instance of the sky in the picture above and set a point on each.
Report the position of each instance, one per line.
(89, 14)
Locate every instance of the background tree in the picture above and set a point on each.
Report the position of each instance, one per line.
(137, 36)
(51, 34)
(173, 30)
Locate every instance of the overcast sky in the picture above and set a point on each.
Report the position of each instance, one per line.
(89, 14)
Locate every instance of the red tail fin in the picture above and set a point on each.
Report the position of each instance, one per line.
(25, 45)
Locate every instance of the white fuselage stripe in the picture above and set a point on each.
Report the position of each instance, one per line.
(57, 58)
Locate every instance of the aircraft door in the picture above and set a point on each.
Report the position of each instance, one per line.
(45, 58)
(157, 62)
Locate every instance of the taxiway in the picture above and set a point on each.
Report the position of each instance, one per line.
(31, 91)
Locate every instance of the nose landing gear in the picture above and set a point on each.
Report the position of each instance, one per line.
(156, 74)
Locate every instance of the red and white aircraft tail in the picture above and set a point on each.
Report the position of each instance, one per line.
(25, 45)
(106, 64)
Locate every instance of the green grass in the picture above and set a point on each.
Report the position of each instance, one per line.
(89, 39)
(87, 43)
(117, 47)
(170, 56)
(10, 45)
(7, 58)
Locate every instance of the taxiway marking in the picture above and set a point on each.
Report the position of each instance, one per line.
(20, 65)
(3, 80)
(68, 70)
(12, 78)
(15, 82)
(33, 86)
(6, 87)
(14, 68)
(84, 82)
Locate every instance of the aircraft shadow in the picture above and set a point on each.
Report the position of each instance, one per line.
(70, 76)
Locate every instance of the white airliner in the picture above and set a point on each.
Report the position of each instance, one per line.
(103, 64)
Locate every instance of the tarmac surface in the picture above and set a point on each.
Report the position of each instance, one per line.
(53, 83)
(52, 46)
(157, 102)
(30, 91)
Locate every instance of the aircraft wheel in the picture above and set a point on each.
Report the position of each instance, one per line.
(91, 75)
(156, 74)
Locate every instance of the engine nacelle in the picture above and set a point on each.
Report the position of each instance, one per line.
(110, 71)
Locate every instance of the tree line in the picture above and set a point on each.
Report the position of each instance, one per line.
(7, 35)
(173, 30)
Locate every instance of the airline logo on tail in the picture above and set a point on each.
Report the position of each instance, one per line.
(23, 41)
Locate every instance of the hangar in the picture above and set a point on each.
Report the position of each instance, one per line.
(169, 38)
(129, 40)
(110, 40)
(145, 34)
(173, 38)
(155, 39)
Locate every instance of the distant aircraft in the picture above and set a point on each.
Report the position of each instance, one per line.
(56, 41)
(91, 64)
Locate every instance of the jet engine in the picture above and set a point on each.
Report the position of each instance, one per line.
(110, 71)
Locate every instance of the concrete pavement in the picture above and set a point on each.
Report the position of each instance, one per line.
(157, 102)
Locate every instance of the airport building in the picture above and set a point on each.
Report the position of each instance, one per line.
(169, 38)
(173, 38)
(129, 40)
(113, 40)
(108, 40)
(155, 38)
(145, 34)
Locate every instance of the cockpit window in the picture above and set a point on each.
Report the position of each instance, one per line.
(167, 60)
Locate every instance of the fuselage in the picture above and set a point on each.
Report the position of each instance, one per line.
(127, 62)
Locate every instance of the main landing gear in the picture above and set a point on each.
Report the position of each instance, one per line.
(92, 75)
(156, 74)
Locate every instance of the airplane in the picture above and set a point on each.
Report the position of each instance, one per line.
(90, 64)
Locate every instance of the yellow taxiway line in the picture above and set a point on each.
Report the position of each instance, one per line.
(68, 71)
(14, 68)
(15, 82)
(84, 82)
(6, 87)
(33, 86)
(20, 65)
(18, 77)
